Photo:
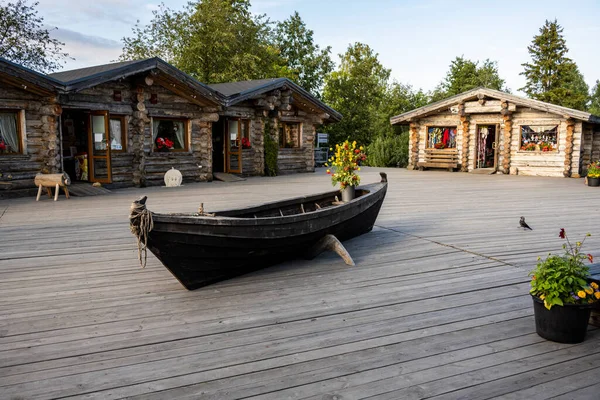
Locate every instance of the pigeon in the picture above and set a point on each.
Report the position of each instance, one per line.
(524, 224)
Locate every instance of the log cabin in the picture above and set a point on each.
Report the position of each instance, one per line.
(487, 131)
(127, 123)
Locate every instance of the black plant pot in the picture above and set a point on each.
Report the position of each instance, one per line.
(593, 181)
(562, 324)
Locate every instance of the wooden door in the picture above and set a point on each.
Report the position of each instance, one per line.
(487, 145)
(99, 147)
(233, 150)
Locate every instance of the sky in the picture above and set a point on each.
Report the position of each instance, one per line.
(415, 39)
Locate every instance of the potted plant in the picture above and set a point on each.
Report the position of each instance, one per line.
(246, 143)
(345, 162)
(593, 174)
(563, 295)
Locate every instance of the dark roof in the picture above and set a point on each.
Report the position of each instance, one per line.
(84, 73)
(231, 88)
(495, 94)
(237, 92)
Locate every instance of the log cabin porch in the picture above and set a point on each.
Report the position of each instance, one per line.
(436, 307)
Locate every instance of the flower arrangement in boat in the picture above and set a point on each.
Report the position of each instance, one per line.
(345, 163)
(164, 143)
(593, 170)
(245, 143)
(561, 280)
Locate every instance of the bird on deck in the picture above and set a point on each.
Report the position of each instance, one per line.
(524, 224)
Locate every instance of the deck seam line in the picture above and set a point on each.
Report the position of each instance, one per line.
(449, 246)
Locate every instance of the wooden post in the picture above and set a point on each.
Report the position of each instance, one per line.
(414, 140)
(569, 147)
(39, 193)
(507, 143)
(464, 119)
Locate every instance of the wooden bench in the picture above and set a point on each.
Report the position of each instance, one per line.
(49, 181)
(442, 158)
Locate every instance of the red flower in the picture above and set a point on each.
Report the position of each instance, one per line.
(562, 233)
(591, 258)
(356, 151)
(2, 146)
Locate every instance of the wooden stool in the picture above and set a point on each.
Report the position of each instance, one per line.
(49, 181)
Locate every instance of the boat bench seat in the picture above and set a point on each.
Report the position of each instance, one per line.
(439, 158)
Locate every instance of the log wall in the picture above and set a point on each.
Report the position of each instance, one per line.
(567, 161)
(39, 118)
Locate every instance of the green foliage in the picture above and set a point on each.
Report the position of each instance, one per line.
(593, 170)
(308, 63)
(465, 75)
(560, 280)
(357, 90)
(26, 40)
(271, 150)
(389, 151)
(212, 40)
(595, 99)
(552, 76)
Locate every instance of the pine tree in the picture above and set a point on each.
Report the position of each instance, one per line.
(552, 76)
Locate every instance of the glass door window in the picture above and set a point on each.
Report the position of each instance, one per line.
(234, 148)
(99, 161)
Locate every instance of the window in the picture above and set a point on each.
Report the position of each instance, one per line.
(289, 135)
(539, 137)
(441, 137)
(10, 133)
(169, 135)
(118, 133)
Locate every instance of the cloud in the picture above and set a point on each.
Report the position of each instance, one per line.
(87, 49)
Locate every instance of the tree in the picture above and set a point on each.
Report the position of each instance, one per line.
(595, 99)
(308, 63)
(465, 75)
(212, 40)
(26, 41)
(552, 76)
(357, 90)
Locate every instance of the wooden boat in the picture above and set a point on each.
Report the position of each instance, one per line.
(200, 249)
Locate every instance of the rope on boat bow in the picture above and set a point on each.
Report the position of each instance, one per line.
(140, 223)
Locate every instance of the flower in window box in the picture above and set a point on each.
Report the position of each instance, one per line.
(440, 145)
(246, 143)
(2, 146)
(164, 144)
(529, 147)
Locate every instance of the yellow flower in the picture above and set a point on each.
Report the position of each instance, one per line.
(597, 295)
(594, 285)
(331, 149)
(581, 294)
(589, 290)
(362, 148)
(358, 169)
(543, 296)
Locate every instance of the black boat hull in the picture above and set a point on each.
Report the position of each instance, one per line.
(199, 251)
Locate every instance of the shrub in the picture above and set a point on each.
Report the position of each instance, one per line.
(389, 151)
(271, 150)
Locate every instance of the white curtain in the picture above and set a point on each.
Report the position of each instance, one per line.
(155, 124)
(180, 133)
(115, 134)
(8, 131)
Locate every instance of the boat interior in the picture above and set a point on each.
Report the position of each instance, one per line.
(299, 205)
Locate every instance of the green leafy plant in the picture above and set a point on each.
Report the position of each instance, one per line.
(346, 162)
(593, 170)
(560, 280)
(271, 150)
(389, 151)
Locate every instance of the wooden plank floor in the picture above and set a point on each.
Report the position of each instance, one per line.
(437, 306)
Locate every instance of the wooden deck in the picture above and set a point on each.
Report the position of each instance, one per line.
(437, 306)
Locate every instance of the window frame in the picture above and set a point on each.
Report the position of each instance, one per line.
(124, 136)
(282, 125)
(19, 123)
(520, 150)
(455, 127)
(186, 147)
